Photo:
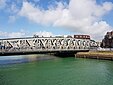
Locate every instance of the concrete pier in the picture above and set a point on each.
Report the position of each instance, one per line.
(104, 55)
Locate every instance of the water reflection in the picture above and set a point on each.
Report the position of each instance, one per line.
(24, 58)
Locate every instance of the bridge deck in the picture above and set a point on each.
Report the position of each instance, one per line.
(42, 52)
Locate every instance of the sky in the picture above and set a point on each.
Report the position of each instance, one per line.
(24, 18)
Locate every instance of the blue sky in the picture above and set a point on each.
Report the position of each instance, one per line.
(20, 18)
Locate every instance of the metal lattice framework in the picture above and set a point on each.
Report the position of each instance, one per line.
(44, 44)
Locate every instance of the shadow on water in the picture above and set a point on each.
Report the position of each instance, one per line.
(65, 54)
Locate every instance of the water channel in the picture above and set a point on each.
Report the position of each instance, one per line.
(55, 71)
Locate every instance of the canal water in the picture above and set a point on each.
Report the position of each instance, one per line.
(56, 71)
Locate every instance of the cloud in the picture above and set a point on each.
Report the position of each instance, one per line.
(14, 8)
(43, 33)
(40, 16)
(12, 34)
(2, 3)
(24, 33)
(83, 16)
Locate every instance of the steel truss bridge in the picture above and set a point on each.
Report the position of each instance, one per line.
(44, 45)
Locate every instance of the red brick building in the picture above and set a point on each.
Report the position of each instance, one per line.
(82, 36)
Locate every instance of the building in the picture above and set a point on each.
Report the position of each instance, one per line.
(82, 36)
(107, 42)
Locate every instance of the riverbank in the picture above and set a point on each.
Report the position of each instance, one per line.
(104, 55)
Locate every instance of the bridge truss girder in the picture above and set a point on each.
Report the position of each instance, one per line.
(44, 44)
